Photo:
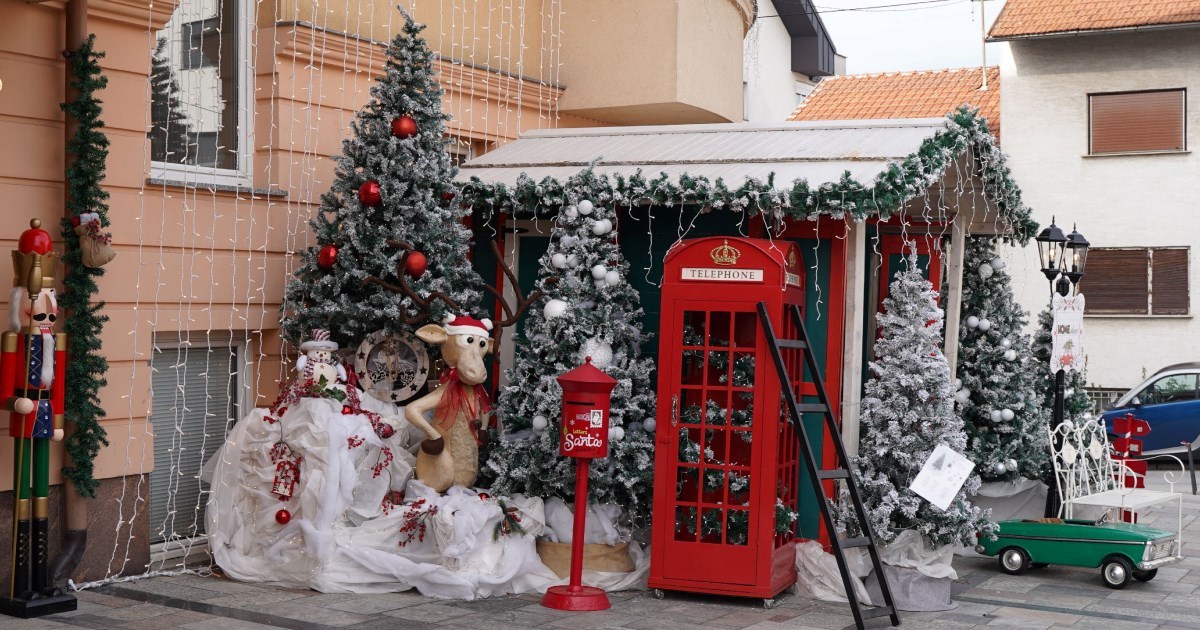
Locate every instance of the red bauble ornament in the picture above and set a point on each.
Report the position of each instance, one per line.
(35, 240)
(416, 264)
(484, 496)
(404, 127)
(369, 195)
(327, 256)
(283, 517)
(447, 196)
(346, 410)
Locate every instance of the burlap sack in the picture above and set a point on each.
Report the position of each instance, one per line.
(603, 558)
(95, 251)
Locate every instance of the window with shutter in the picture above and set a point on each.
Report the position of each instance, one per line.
(1116, 281)
(1169, 275)
(194, 397)
(1137, 281)
(1132, 122)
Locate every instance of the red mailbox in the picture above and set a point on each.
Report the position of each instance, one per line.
(585, 412)
(584, 436)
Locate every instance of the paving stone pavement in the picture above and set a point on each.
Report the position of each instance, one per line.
(1053, 598)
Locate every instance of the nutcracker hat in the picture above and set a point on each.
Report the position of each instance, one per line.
(466, 325)
(33, 249)
(319, 340)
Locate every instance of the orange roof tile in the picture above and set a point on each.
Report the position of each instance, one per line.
(1025, 18)
(923, 94)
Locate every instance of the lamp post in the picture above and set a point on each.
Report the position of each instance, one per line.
(1063, 258)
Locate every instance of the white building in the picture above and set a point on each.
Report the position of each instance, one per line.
(786, 52)
(1100, 111)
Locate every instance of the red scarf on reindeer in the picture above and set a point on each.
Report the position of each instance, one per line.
(471, 400)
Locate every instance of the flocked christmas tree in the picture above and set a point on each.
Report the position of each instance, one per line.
(907, 411)
(393, 181)
(1001, 395)
(592, 311)
(1076, 404)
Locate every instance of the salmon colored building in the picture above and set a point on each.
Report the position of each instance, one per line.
(211, 190)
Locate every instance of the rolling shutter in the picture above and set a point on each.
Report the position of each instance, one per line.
(1170, 277)
(193, 394)
(1137, 121)
(1117, 281)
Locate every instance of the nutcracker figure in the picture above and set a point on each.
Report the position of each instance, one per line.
(32, 371)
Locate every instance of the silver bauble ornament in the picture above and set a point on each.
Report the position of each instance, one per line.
(599, 350)
(984, 325)
(554, 308)
(986, 271)
(1007, 414)
(612, 278)
(585, 207)
(572, 212)
(602, 227)
(572, 261)
(957, 384)
(539, 424)
(995, 415)
(559, 261)
(997, 263)
(1000, 468)
(962, 395)
(650, 425)
(1005, 343)
(972, 322)
(616, 434)
(567, 241)
(1011, 464)
(1010, 355)
(598, 272)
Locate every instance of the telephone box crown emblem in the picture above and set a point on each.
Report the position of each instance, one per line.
(726, 254)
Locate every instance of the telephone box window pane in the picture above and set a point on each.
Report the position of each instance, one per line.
(689, 446)
(742, 414)
(717, 405)
(739, 487)
(739, 448)
(685, 524)
(687, 488)
(692, 368)
(694, 327)
(743, 369)
(739, 527)
(745, 330)
(715, 447)
(718, 368)
(690, 412)
(718, 334)
(711, 525)
(714, 485)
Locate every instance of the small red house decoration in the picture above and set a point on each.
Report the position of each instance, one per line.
(726, 459)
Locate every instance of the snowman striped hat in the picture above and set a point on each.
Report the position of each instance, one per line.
(319, 340)
(466, 325)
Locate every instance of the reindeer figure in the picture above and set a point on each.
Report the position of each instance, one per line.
(450, 453)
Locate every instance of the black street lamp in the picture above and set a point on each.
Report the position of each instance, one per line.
(1063, 258)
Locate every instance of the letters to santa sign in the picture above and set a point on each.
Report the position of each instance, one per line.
(1067, 334)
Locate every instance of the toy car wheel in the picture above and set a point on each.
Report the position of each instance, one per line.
(1145, 576)
(1014, 560)
(1116, 572)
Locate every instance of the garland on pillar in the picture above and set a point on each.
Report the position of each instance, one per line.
(86, 367)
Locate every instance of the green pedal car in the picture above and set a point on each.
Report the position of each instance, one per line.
(1123, 551)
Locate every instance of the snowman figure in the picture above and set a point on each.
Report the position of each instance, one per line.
(319, 360)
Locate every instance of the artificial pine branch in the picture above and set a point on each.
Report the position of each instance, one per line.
(84, 322)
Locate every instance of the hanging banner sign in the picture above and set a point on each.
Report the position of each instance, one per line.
(1067, 334)
(721, 275)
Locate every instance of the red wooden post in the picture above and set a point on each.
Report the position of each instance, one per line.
(584, 435)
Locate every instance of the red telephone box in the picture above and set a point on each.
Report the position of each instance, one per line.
(725, 455)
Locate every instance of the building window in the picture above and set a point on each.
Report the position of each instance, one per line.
(1137, 281)
(200, 107)
(1137, 122)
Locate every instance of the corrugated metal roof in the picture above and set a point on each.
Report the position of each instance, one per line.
(818, 151)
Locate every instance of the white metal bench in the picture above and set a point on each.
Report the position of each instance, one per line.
(1089, 476)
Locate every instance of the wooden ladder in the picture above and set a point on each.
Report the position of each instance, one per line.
(795, 409)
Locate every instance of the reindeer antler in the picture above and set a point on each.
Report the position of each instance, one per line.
(402, 287)
(523, 303)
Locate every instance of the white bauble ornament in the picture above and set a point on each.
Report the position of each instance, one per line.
(997, 263)
(995, 415)
(598, 272)
(572, 261)
(962, 395)
(612, 278)
(1000, 468)
(986, 271)
(1005, 343)
(957, 384)
(602, 227)
(554, 308)
(567, 241)
(616, 434)
(559, 261)
(1010, 355)
(984, 325)
(650, 425)
(1011, 464)
(572, 212)
(599, 350)
(585, 207)
(1008, 414)
(1087, 415)
(1068, 392)
(972, 322)
(1068, 425)
(540, 423)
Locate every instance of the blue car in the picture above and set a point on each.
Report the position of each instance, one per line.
(1170, 402)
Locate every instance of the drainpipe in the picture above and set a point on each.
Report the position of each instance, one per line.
(75, 506)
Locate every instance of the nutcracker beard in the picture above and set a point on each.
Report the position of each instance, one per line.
(32, 365)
